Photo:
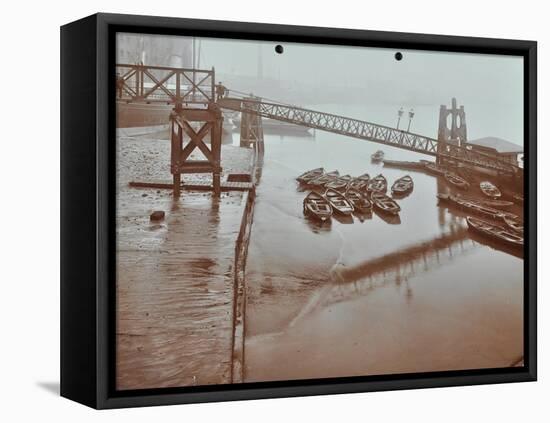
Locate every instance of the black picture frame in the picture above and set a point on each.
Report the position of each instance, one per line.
(87, 209)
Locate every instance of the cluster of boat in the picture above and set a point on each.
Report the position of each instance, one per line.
(332, 193)
(488, 216)
(497, 223)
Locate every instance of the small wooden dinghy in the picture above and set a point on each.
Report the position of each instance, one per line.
(359, 202)
(321, 180)
(434, 169)
(378, 184)
(515, 224)
(402, 186)
(456, 180)
(339, 184)
(357, 185)
(317, 206)
(489, 189)
(475, 207)
(305, 177)
(499, 204)
(338, 202)
(360, 183)
(495, 232)
(378, 156)
(384, 203)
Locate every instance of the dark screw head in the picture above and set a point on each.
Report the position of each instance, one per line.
(279, 49)
(398, 56)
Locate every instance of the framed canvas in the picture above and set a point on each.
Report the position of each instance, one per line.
(257, 211)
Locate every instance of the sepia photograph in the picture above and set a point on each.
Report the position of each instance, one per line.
(291, 211)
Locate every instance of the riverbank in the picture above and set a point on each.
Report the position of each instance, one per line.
(175, 278)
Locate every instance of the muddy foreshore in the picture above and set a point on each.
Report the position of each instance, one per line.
(175, 278)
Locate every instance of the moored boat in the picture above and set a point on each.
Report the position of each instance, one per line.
(317, 206)
(495, 232)
(473, 206)
(359, 201)
(384, 203)
(357, 184)
(305, 177)
(457, 180)
(378, 184)
(378, 156)
(321, 180)
(365, 177)
(338, 202)
(340, 183)
(489, 189)
(515, 224)
(499, 204)
(402, 186)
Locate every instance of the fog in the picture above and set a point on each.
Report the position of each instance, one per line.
(489, 86)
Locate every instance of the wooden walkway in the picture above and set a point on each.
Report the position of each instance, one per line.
(197, 185)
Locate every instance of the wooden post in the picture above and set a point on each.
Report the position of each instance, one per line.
(216, 145)
(175, 152)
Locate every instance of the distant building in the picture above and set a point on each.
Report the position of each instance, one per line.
(506, 150)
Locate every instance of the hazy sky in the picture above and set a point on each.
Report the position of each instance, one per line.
(489, 86)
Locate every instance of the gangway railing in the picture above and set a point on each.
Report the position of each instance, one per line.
(159, 84)
(368, 131)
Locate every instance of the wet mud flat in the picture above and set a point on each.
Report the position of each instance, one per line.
(372, 297)
(175, 278)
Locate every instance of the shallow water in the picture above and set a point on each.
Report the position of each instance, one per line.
(371, 296)
(174, 278)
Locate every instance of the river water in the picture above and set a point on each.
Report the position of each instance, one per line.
(371, 296)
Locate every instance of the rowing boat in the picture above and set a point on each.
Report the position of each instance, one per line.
(321, 180)
(456, 180)
(402, 186)
(359, 201)
(489, 189)
(338, 202)
(316, 206)
(305, 177)
(384, 203)
(473, 206)
(365, 177)
(515, 224)
(339, 184)
(378, 184)
(357, 184)
(499, 204)
(378, 156)
(495, 232)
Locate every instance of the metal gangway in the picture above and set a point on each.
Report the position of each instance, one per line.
(368, 131)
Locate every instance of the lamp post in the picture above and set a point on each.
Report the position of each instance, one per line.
(411, 115)
(399, 115)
